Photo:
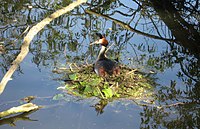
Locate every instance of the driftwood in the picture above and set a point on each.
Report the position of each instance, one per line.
(20, 109)
(28, 38)
(20, 117)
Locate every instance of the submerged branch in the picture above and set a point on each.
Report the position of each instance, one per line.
(13, 119)
(28, 38)
(20, 109)
(126, 26)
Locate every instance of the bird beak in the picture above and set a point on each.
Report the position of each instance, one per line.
(96, 42)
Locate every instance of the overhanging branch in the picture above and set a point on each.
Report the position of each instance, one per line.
(28, 38)
(126, 26)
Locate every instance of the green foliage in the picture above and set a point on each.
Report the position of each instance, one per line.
(73, 77)
(108, 92)
(129, 84)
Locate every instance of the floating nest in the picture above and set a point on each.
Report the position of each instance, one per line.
(83, 82)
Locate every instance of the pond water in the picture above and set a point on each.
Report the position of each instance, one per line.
(146, 47)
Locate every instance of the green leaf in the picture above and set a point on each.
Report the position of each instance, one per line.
(58, 97)
(83, 83)
(88, 89)
(95, 82)
(95, 92)
(73, 76)
(108, 92)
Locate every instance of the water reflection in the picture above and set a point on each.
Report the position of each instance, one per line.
(144, 37)
(12, 120)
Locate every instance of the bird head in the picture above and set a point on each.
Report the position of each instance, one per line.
(102, 40)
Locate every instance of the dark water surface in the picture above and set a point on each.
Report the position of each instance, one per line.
(66, 40)
(61, 115)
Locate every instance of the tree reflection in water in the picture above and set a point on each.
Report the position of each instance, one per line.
(67, 39)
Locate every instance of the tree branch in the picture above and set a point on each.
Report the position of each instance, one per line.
(126, 26)
(28, 38)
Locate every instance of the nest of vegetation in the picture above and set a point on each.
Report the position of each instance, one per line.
(83, 82)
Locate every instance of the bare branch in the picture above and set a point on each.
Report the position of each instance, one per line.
(28, 38)
(126, 26)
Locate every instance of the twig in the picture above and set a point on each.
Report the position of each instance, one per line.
(100, 93)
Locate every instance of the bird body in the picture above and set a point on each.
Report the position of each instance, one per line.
(104, 66)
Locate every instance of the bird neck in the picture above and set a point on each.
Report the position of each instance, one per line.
(102, 53)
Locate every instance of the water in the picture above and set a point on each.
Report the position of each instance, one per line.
(64, 114)
(66, 40)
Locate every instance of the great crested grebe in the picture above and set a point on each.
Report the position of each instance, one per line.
(104, 66)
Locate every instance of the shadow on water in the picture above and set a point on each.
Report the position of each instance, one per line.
(156, 38)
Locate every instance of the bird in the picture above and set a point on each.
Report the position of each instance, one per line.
(104, 66)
